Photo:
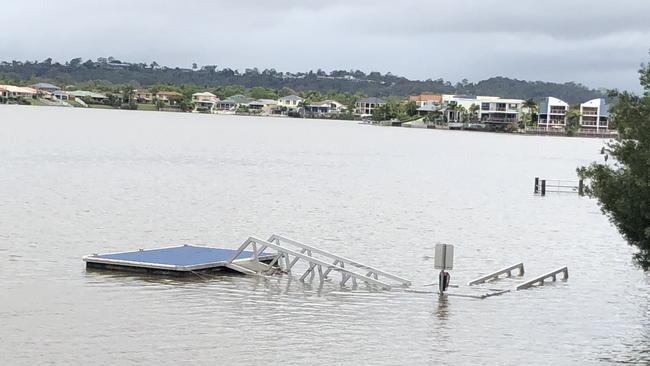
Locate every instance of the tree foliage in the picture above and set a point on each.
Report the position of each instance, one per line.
(623, 186)
(342, 81)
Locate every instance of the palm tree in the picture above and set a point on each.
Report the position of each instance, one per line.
(473, 112)
(573, 117)
(532, 108)
(302, 105)
(461, 110)
(457, 109)
(435, 115)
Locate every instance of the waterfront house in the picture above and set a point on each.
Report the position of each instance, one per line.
(290, 102)
(61, 95)
(12, 91)
(89, 96)
(168, 96)
(227, 104)
(500, 110)
(429, 100)
(365, 106)
(594, 114)
(46, 87)
(263, 105)
(143, 95)
(457, 107)
(325, 107)
(204, 102)
(552, 113)
(233, 102)
(428, 107)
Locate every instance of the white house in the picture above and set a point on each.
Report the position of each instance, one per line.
(325, 107)
(290, 102)
(552, 113)
(204, 101)
(594, 114)
(458, 107)
(500, 110)
(263, 105)
(366, 106)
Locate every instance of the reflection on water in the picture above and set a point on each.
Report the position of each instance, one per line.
(76, 182)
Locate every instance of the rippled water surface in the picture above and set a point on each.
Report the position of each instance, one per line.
(75, 182)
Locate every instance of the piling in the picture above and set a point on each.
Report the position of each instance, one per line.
(536, 191)
(581, 187)
(543, 187)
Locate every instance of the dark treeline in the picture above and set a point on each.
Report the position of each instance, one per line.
(341, 81)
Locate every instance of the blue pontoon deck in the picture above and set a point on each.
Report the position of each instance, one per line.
(179, 260)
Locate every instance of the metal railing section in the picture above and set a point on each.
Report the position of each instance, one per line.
(495, 275)
(289, 252)
(540, 280)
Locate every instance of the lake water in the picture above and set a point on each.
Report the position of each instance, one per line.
(75, 182)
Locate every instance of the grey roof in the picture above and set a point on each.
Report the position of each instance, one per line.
(238, 98)
(543, 107)
(372, 100)
(604, 108)
(46, 86)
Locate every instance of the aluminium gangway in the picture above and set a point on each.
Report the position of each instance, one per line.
(319, 262)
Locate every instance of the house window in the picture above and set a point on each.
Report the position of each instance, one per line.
(485, 106)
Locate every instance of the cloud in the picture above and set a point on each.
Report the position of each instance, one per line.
(577, 40)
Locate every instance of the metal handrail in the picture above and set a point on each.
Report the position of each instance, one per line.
(376, 271)
(314, 263)
(540, 279)
(496, 274)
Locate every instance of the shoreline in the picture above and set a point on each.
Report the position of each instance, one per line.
(528, 132)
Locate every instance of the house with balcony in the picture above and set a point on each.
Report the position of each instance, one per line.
(168, 97)
(500, 111)
(204, 102)
(289, 103)
(61, 95)
(552, 113)
(233, 102)
(326, 107)
(594, 114)
(458, 108)
(143, 96)
(428, 107)
(262, 105)
(365, 106)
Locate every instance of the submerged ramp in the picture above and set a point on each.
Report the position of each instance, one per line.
(178, 260)
(319, 263)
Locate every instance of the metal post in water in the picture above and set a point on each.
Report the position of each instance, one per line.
(543, 187)
(581, 187)
(536, 191)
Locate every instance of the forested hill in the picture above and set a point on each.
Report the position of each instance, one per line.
(371, 84)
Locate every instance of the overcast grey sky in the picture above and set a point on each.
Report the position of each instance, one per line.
(597, 43)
